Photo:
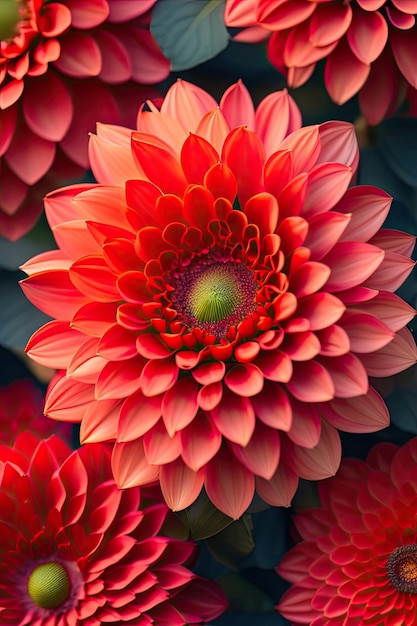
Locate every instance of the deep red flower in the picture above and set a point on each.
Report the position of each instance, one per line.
(21, 409)
(221, 297)
(77, 551)
(370, 45)
(356, 563)
(70, 65)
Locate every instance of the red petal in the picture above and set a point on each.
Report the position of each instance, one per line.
(158, 376)
(229, 485)
(197, 156)
(404, 47)
(200, 442)
(367, 35)
(311, 382)
(179, 405)
(29, 156)
(244, 154)
(280, 489)
(80, 56)
(199, 206)
(180, 485)
(38, 116)
(159, 447)
(170, 178)
(342, 85)
(234, 417)
(261, 455)
(138, 415)
(273, 407)
(92, 276)
(54, 294)
(119, 379)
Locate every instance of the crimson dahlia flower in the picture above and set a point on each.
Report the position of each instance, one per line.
(220, 298)
(61, 54)
(356, 563)
(370, 46)
(21, 409)
(77, 551)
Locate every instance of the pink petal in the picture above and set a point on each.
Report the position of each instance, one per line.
(300, 51)
(395, 357)
(38, 116)
(85, 15)
(149, 65)
(237, 106)
(158, 376)
(351, 264)
(305, 148)
(187, 103)
(378, 96)
(116, 66)
(80, 56)
(368, 207)
(207, 373)
(229, 485)
(281, 15)
(280, 489)
(343, 85)
(100, 422)
(325, 230)
(179, 405)
(239, 14)
(311, 382)
(391, 273)
(363, 414)
(273, 407)
(329, 23)
(119, 379)
(234, 417)
(244, 154)
(54, 294)
(8, 119)
(129, 465)
(180, 485)
(319, 462)
(349, 377)
(389, 309)
(367, 35)
(68, 400)
(10, 93)
(327, 183)
(112, 163)
(404, 47)
(321, 310)
(366, 332)
(200, 442)
(277, 116)
(338, 142)
(54, 344)
(261, 455)
(306, 425)
(159, 447)
(34, 160)
(138, 415)
(59, 206)
(214, 128)
(334, 341)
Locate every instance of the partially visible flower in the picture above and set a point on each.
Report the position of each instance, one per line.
(21, 410)
(370, 46)
(220, 298)
(77, 551)
(356, 562)
(69, 65)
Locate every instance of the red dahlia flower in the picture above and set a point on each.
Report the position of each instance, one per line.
(357, 559)
(370, 45)
(21, 409)
(220, 298)
(77, 551)
(63, 54)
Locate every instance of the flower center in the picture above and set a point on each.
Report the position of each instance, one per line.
(402, 568)
(213, 295)
(49, 585)
(10, 17)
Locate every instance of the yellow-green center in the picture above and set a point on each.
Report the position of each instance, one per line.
(9, 18)
(215, 295)
(49, 585)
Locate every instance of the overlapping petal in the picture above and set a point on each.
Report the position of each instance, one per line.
(226, 302)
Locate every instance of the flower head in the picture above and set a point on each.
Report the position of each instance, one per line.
(220, 298)
(61, 52)
(21, 409)
(369, 45)
(356, 562)
(77, 551)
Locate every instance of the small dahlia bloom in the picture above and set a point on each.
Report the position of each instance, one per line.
(220, 298)
(77, 551)
(69, 65)
(356, 562)
(21, 409)
(370, 46)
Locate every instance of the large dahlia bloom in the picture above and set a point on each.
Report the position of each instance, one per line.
(370, 46)
(69, 65)
(356, 562)
(220, 298)
(77, 551)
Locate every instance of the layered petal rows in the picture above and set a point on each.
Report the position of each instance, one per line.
(356, 561)
(61, 52)
(369, 46)
(77, 551)
(220, 298)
